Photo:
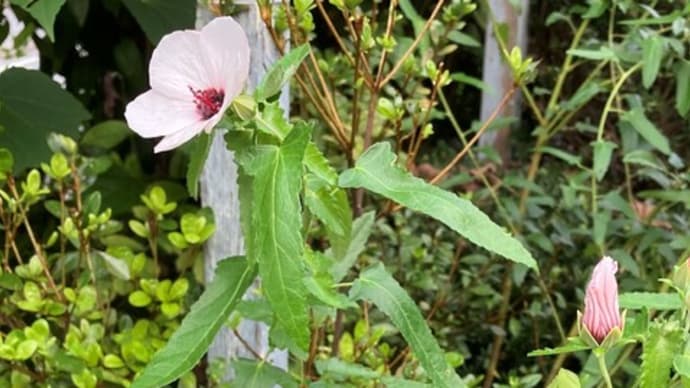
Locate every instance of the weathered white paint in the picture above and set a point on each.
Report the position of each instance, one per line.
(220, 192)
(496, 74)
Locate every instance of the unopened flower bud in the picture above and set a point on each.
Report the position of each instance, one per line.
(602, 314)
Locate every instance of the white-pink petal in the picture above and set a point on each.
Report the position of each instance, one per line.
(227, 55)
(178, 63)
(178, 138)
(152, 114)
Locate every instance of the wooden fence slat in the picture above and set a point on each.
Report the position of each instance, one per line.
(219, 191)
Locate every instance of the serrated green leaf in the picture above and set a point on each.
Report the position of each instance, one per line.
(191, 340)
(650, 300)
(376, 171)
(329, 204)
(260, 374)
(662, 344)
(319, 165)
(565, 379)
(637, 119)
(377, 286)
(280, 73)
(652, 54)
(276, 242)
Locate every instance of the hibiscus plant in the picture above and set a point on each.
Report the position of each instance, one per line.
(196, 76)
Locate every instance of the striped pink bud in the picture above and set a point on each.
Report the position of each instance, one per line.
(601, 300)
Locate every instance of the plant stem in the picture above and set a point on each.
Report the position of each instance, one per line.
(602, 367)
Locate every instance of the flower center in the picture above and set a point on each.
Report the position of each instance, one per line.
(207, 101)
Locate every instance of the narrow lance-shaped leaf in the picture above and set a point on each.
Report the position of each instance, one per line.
(376, 171)
(647, 129)
(602, 157)
(198, 153)
(276, 242)
(683, 87)
(377, 286)
(191, 340)
(652, 54)
(347, 255)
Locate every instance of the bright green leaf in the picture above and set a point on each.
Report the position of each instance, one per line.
(376, 171)
(650, 300)
(198, 153)
(565, 379)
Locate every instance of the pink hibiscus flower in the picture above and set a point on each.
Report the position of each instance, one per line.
(194, 77)
(601, 300)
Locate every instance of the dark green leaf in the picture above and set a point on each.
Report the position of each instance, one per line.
(260, 374)
(602, 157)
(637, 119)
(376, 171)
(44, 11)
(281, 72)
(198, 153)
(159, 17)
(652, 54)
(276, 242)
(683, 87)
(377, 286)
(106, 135)
(191, 340)
(32, 106)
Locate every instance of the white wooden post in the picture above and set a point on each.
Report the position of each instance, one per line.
(497, 74)
(219, 191)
